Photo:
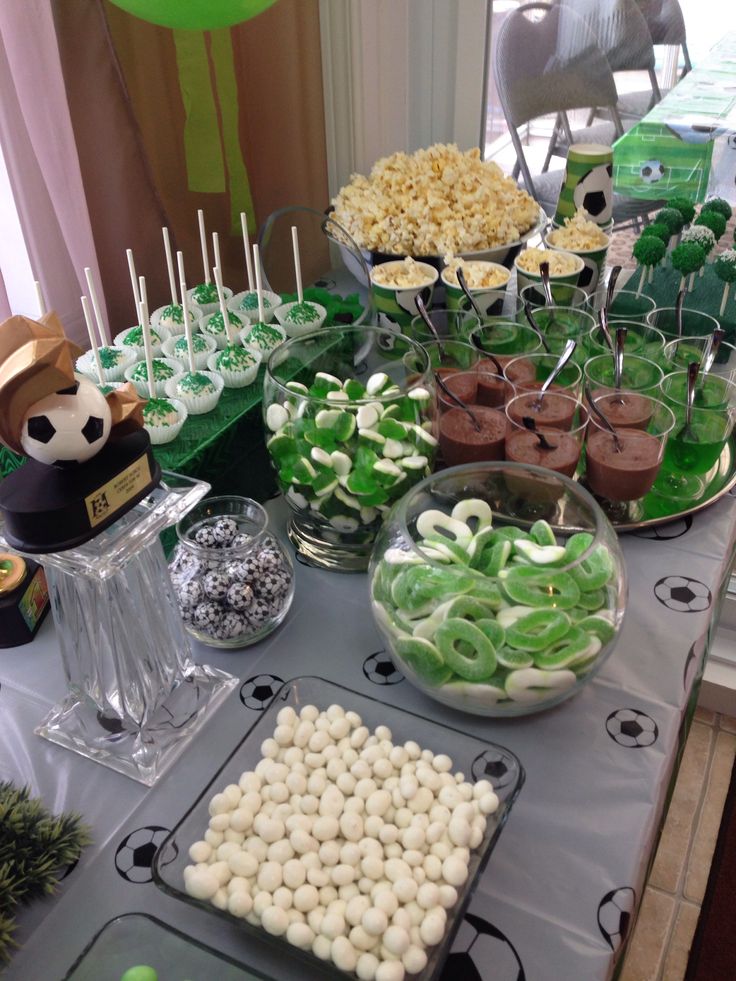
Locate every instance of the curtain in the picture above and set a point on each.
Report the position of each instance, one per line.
(40, 152)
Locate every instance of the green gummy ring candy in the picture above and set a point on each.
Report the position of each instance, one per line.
(507, 657)
(541, 589)
(469, 608)
(538, 630)
(487, 591)
(424, 659)
(511, 533)
(493, 631)
(542, 533)
(465, 649)
(600, 627)
(571, 648)
(577, 544)
(595, 571)
(482, 538)
(417, 584)
(452, 550)
(592, 600)
(495, 558)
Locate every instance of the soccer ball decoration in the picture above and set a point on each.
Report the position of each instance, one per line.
(68, 427)
(381, 670)
(614, 915)
(652, 171)
(682, 594)
(481, 951)
(258, 691)
(134, 854)
(632, 728)
(594, 192)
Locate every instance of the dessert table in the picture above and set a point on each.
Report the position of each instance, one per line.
(559, 894)
(686, 144)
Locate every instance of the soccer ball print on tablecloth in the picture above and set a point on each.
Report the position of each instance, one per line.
(615, 911)
(68, 427)
(258, 691)
(490, 765)
(632, 728)
(482, 953)
(381, 670)
(683, 594)
(134, 855)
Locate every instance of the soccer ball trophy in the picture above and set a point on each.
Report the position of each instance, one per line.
(91, 502)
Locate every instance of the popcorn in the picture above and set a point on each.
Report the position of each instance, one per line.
(404, 274)
(432, 202)
(578, 234)
(560, 263)
(478, 274)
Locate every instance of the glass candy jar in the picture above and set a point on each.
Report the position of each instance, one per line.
(233, 580)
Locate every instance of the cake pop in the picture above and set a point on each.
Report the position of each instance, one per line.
(725, 268)
(685, 207)
(713, 220)
(720, 205)
(703, 237)
(687, 258)
(648, 252)
(658, 229)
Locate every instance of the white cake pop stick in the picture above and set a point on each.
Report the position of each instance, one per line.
(92, 339)
(203, 245)
(133, 281)
(216, 250)
(101, 330)
(147, 346)
(297, 264)
(39, 296)
(229, 331)
(169, 265)
(246, 246)
(259, 285)
(185, 308)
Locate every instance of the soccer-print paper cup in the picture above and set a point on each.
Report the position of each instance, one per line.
(489, 297)
(594, 260)
(527, 272)
(588, 183)
(395, 287)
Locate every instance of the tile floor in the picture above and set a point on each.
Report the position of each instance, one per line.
(669, 912)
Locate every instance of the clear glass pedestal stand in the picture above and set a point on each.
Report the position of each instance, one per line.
(135, 697)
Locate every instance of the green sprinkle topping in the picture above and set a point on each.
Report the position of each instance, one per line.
(199, 345)
(250, 301)
(195, 383)
(713, 220)
(161, 370)
(235, 358)
(684, 206)
(658, 229)
(173, 314)
(160, 412)
(110, 357)
(263, 336)
(216, 325)
(672, 218)
(302, 313)
(649, 250)
(134, 337)
(725, 266)
(205, 293)
(687, 257)
(719, 205)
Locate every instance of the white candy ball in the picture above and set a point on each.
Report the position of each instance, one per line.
(366, 967)
(202, 883)
(344, 954)
(239, 903)
(300, 935)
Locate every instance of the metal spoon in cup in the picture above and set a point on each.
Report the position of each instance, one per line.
(547, 287)
(687, 432)
(529, 423)
(615, 272)
(567, 353)
(535, 326)
(618, 360)
(711, 350)
(458, 402)
(419, 303)
(462, 281)
(477, 343)
(603, 419)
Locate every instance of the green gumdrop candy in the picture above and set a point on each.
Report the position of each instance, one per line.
(140, 972)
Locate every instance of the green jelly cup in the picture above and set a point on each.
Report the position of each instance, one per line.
(587, 183)
(560, 284)
(489, 299)
(533, 294)
(506, 339)
(528, 371)
(594, 260)
(692, 453)
(448, 323)
(645, 341)
(559, 324)
(626, 305)
(679, 354)
(396, 305)
(694, 322)
(349, 428)
(638, 375)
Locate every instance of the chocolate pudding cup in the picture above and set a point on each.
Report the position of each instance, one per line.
(493, 389)
(463, 384)
(624, 475)
(556, 410)
(460, 442)
(625, 410)
(529, 371)
(522, 446)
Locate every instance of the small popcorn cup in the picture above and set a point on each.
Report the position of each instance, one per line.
(560, 283)
(594, 260)
(489, 298)
(396, 305)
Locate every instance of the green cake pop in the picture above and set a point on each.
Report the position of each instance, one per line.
(672, 218)
(725, 269)
(685, 207)
(720, 205)
(703, 237)
(648, 252)
(658, 229)
(713, 220)
(687, 258)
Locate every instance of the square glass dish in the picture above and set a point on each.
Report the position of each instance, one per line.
(137, 939)
(476, 758)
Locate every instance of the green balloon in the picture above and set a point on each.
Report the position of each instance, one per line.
(141, 972)
(194, 15)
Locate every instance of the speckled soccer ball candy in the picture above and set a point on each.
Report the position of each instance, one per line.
(189, 593)
(207, 616)
(225, 530)
(216, 584)
(232, 625)
(259, 613)
(205, 536)
(240, 596)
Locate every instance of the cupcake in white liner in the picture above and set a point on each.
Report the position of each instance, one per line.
(172, 317)
(164, 369)
(205, 297)
(133, 338)
(178, 349)
(237, 365)
(300, 318)
(114, 361)
(245, 304)
(263, 338)
(163, 419)
(214, 326)
(200, 391)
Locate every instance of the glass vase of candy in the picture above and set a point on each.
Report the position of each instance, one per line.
(489, 613)
(349, 417)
